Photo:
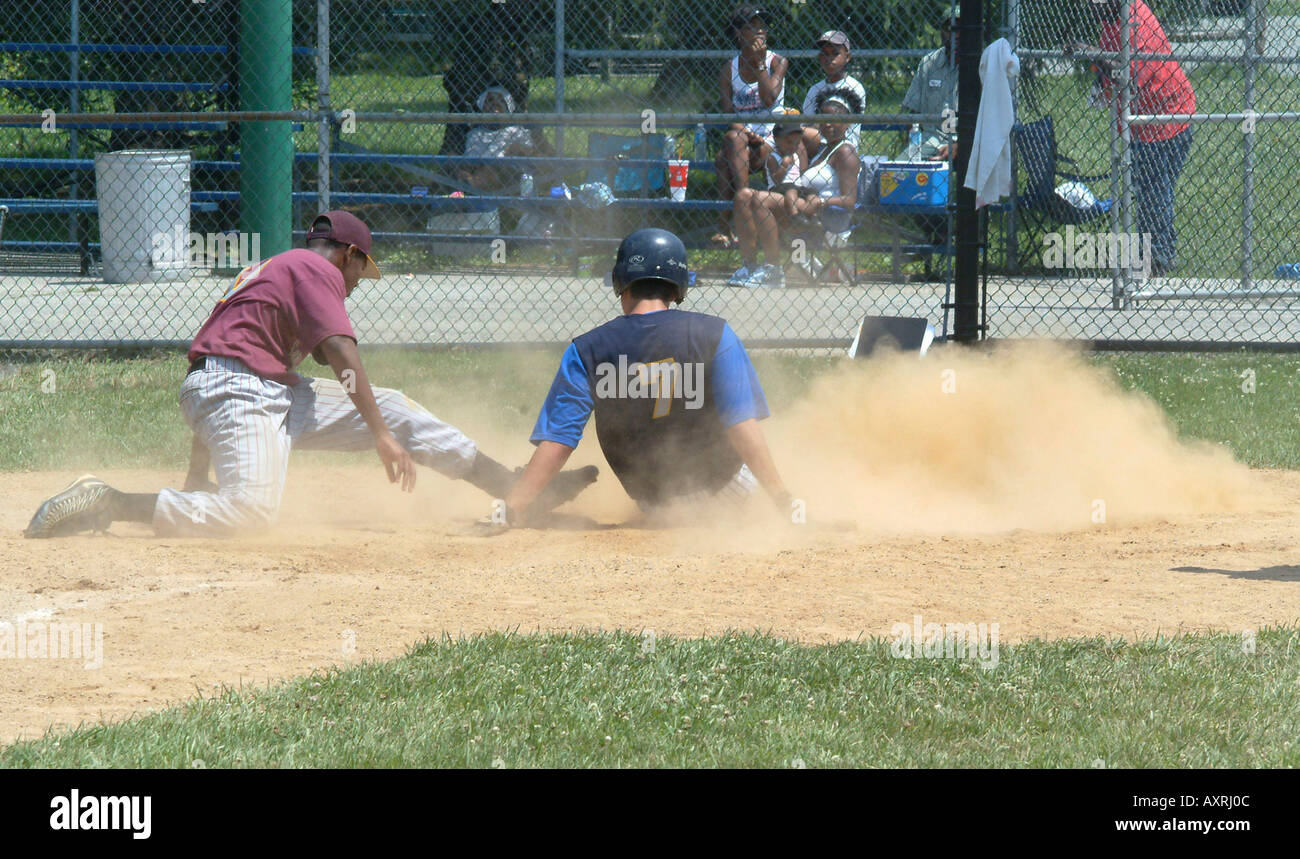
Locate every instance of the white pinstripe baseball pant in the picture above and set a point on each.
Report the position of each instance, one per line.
(734, 493)
(249, 425)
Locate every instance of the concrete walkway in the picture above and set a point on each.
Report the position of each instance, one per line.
(487, 307)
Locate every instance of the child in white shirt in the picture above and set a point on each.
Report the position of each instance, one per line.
(834, 58)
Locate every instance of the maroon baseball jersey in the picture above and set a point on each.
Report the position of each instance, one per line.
(275, 313)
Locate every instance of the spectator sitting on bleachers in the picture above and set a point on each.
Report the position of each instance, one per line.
(493, 55)
(829, 179)
(835, 53)
(497, 140)
(753, 81)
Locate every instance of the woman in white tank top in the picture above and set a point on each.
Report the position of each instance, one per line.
(746, 96)
(820, 178)
(751, 82)
(830, 179)
(832, 173)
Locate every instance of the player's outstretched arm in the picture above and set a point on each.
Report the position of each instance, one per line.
(546, 462)
(342, 355)
(750, 444)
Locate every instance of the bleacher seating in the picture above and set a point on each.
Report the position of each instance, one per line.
(46, 254)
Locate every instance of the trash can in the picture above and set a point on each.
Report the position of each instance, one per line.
(144, 214)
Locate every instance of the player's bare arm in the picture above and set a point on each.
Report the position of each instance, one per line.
(546, 462)
(770, 84)
(751, 445)
(846, 164)
(341, 354)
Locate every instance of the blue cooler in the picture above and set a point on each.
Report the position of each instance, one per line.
(914, 183)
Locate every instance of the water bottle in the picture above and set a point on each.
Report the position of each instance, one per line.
(701, 143)
(914, 143)
(595, 195)
(526, 185)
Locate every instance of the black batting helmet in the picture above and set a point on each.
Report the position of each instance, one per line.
(651, 254)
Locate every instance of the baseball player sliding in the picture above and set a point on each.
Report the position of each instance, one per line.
(676, 399)
(248, 408)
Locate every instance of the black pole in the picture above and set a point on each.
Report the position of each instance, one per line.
(966, 284)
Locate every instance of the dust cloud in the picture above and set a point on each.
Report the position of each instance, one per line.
(960, 442)
(1027, 436)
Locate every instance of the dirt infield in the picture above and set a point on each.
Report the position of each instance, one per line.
(181, 617)
(1023, 490)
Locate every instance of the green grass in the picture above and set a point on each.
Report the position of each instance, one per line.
(123, 414)
(613, 700)
(1204, 398)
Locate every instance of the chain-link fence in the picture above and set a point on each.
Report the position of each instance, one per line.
(129, 181)
(1145, 225)
(499, 151)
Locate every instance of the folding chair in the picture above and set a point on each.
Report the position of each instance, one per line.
(826, 237)
(1039, 162)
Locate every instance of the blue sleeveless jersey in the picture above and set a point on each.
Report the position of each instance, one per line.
(664, 387)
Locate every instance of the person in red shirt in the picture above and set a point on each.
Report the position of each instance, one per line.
(247, 407)
(1159, 151)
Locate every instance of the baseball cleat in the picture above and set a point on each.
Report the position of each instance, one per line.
(83, 506)
(566, 486)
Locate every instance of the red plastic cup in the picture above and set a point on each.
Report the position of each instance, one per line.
(677, 175)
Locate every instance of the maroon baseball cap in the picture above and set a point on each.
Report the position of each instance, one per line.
(346, 228)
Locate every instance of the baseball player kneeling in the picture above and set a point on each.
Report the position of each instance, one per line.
(676, 399)
(248, 408)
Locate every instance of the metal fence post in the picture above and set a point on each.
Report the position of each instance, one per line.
(323, 105)
(266, 168)
(1123, 278)
(74, 74)
(559, 72)
(1250, 57)
(1010, 225)
(966, 322)
(1119, 297)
